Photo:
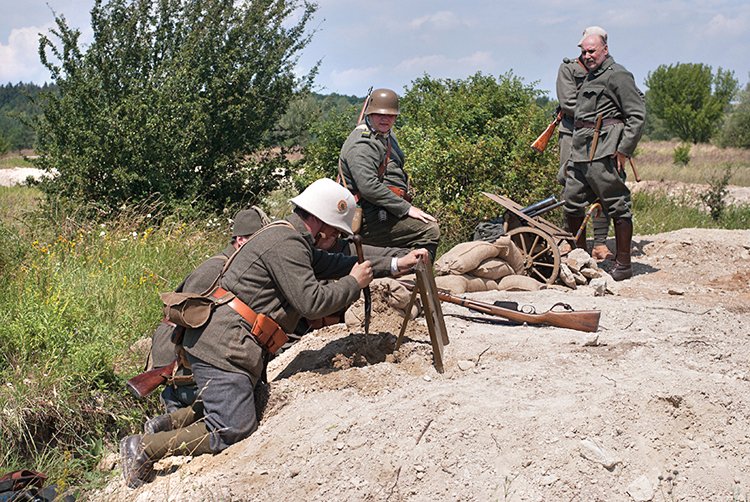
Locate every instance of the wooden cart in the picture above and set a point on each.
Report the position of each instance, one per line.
(538, 239)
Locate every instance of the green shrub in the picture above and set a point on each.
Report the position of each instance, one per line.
(681, 154)
(715, 196)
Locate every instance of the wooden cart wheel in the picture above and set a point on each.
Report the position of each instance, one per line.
(541, 254)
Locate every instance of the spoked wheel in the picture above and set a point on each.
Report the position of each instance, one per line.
(541, 254)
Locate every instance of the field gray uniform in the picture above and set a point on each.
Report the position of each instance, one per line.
(275, 273)
(163, 350)
(570, 77)
(611, 91)
(385, 220)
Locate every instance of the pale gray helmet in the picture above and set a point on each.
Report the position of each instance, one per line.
(330, 202)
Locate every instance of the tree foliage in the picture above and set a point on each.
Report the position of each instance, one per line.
(690, 99)
(736, 130)
(17, 110)
(172, 97)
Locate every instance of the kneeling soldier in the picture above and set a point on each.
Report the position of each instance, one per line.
(268, 285)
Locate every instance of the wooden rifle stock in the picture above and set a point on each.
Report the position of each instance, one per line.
(364, 106)
(541, 142)
(144, 384)
(581, 320)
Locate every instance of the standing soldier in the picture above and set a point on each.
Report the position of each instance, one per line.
(371, 165)
(570, 77)
(609, 117)
(270, 282)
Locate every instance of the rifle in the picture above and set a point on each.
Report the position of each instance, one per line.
(144, 384)
(582, 320)
(541, 142)
(364, 105)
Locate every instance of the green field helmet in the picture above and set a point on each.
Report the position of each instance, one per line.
(383, 101)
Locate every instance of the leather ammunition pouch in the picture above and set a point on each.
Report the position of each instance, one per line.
(400, 192)
(266, 331)
(189, 310)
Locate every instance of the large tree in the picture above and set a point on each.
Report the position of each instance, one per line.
(172, 97)
(736, 130)
(690, 99)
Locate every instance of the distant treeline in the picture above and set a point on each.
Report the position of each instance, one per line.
(19, 105)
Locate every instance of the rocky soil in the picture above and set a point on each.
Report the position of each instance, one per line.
(653, 406)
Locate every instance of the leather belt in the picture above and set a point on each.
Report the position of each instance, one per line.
(237, 305)
(586, 124)
(396, 190)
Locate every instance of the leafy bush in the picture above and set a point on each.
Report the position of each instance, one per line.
(463, 137)
(170, 98)
(715, 196)
(681, 154)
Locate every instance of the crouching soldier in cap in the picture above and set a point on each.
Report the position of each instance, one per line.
(181, 392)
(372, 166)
(268, 284)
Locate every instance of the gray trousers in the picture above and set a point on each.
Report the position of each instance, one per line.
(600, 179)
(403, 232)
(228, 402)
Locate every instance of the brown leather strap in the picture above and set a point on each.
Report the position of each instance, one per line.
(400, 192)
(237, 305)
(586, 124)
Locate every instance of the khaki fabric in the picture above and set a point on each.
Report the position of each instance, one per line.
(509, 252)
(465, 257)
(493, 268)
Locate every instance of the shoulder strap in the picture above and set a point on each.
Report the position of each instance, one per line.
(384, 164)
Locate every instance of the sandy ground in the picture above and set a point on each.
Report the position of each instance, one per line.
(653, 406)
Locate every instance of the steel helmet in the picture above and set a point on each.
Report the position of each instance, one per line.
(383, 101)
(330, 202)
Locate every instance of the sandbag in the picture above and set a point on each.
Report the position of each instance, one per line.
(476, 284)
(493, 268)
(519, 283)
(455, 284)
(465, 257)
(509, 253)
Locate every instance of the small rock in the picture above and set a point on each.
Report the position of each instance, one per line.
(640, 489)
(566, 276)
(591, 273)
(465, 365)
(676, 291)
(548, 480)
(591, 450)
(340, 446)
(599, 286)
(427, 378)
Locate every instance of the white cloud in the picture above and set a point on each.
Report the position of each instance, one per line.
(441, 20)
(353, 78)
(19, 59)
(720, 25)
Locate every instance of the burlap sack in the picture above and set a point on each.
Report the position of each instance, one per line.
(519, 283)
(475, 284)
(509, 253)
(455, 284)
(397, 296)
(465, 257)
(494, 268)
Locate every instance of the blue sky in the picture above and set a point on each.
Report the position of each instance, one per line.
(389, 43)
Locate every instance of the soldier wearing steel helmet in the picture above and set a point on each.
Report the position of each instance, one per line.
(273, 280)
(372, 167)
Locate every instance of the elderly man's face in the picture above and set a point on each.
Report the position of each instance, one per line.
(593, 52)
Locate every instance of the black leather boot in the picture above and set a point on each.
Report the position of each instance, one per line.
(623, 239)
(574, 223)
(137, 467)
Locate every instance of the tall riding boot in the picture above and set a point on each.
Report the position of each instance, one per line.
(623, 240)
(574, 223)
(182, 417)
(138, 453)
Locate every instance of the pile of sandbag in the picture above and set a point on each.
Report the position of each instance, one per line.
(483, 266)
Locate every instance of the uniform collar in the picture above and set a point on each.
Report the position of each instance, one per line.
(608, 61)
(297, 222)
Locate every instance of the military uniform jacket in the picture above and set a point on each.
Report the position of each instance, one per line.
(611, 91)
(275, 273)
(570, 77)
(361, 156)
(162, 348)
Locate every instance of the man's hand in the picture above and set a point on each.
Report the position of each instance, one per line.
(408, 262)
(415, 212)
(622, 161)
(362, 272)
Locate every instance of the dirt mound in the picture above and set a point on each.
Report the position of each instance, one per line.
(651, 407)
